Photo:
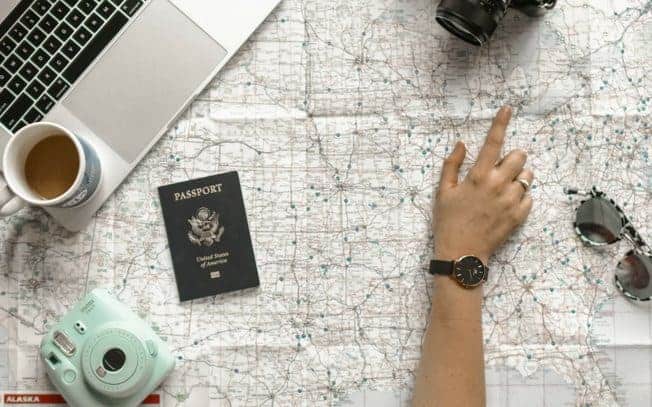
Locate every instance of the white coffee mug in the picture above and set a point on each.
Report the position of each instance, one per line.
(15, 192)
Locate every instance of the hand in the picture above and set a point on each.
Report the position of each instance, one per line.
(475, 216)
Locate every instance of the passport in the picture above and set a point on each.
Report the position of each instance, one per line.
(208, 234)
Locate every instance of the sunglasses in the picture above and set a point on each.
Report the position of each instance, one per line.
(599, 221)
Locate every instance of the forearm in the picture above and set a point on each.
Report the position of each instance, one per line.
(471, 217)
(452, 362)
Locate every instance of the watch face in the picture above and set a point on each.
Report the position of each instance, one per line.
(470, 271)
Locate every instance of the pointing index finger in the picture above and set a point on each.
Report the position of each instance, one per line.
(490, 152)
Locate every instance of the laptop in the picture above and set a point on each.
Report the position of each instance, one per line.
(115, 72)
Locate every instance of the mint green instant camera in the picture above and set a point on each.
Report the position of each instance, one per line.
(102, 354)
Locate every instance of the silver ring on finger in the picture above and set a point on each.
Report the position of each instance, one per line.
(524, 183)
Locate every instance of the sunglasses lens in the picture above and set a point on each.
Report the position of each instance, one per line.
(633, 275)
(599, 221)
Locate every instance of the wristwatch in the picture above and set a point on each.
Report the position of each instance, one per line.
(468, 271)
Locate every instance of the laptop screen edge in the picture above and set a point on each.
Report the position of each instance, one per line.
(6, 8)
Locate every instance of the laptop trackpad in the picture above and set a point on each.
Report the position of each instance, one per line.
(142, 81)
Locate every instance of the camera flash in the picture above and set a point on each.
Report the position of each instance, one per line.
(64, 343)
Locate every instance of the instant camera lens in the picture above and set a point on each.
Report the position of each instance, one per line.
(473, 21)
(113, 360)
(633, 276)
(598, 221)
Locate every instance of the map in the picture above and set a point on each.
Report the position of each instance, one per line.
(337, 115)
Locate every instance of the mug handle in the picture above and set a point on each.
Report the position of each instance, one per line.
(9, 202)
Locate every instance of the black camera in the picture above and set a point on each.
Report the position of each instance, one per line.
(475, 20)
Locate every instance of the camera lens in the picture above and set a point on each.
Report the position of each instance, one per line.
(113, 360)
(474, 21)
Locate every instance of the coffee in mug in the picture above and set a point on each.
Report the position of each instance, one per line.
(46, 165)
(52, 166)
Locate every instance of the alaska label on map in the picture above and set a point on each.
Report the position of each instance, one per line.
(43, 399)
(209, 238)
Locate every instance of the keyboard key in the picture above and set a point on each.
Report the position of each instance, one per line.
(46, 76)
(4, 76)
(63, 31)
(40, 58)
(87, 6)
(36, 37)
(18, 32)
(41, 6)
(58, 62)
(70, 49)
(71, 3)
(33, 116)
(35, 89)
(131, 6)
(75, 18)
(82, 36)
(60, 10)
(94, 47)
(24, 50)
(93, 22)
(45, 103)
(16, 85)
(19, 126)
(58, 88)
(52, 45)
(48, 24)
(29, 19)
(29, 71)
(13, 64)
(16, 111)
(6, 98)
(106, 9)
(7, 45)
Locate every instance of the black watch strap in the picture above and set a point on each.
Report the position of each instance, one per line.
(442, 267)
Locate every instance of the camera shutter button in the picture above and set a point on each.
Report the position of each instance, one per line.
(69, 376)
(152, 349)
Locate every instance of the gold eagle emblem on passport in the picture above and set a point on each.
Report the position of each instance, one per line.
(205, 229)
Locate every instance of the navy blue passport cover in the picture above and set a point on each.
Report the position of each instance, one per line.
(209, 238)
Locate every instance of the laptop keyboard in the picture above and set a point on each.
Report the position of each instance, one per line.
(49, 47)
